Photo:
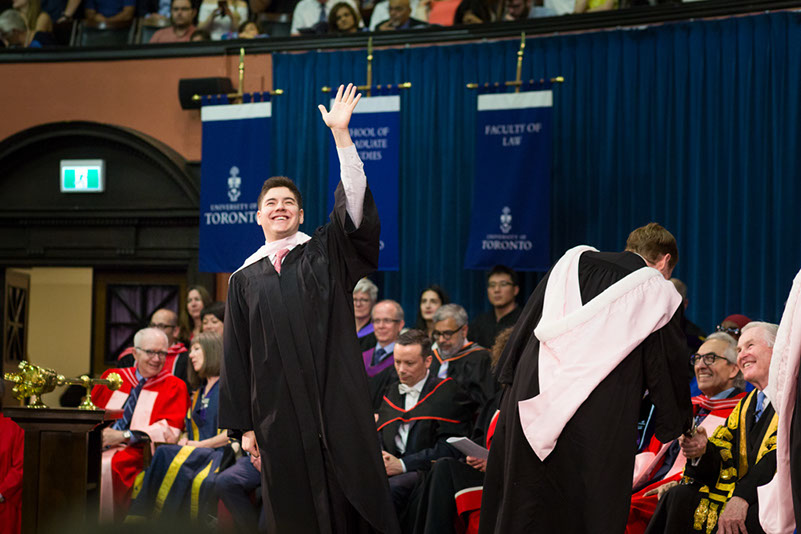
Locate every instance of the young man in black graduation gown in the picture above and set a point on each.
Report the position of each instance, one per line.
(418, 413)
(584, 483)
(289, 380)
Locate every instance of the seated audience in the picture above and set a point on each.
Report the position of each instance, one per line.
(455, 486)
(181, 28)
(14, 33)
(153, 404)
(199, 36)
(502, 288)
(723, 471)
(400, 18)
(12, 444)
(431, 298)
(467, 362)
(343, 18)
(588, 6)
(365, 295)
(197, 297)
(310, 13)
(219, 18)
(380, 12)
(471, 12)
(659, 467)
(113, 11)
(212, 318)
(235, 486)
(378, 360)
(516, 9)
(176, 361)
(36, 20)
(540, 8)
(418, 413)
(733, 325)
(180, 479)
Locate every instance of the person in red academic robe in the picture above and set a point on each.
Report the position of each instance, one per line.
(659, 467)
(11, 451)
(154, 402)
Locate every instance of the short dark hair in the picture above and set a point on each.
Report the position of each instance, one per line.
(503, 269)
(280, 181)
(652, 241)
(416, 337)
(216, 309)
(191, 4)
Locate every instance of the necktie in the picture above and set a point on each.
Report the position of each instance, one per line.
(378, 355)
(279, 257)
(404, 389)
(124, 422)
(759, 408)
(323, 16)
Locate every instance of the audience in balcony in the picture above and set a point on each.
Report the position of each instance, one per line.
(110, 11)
(309, 14)
(400, 17)
(181, 28)
(200, 35)
(343, 19)
(587, 6)
(15, 34)
(36, 20)
(219, 18)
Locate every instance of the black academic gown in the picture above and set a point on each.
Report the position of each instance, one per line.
(442, 411)
(471, 368)
(290, 374)
(585, 483)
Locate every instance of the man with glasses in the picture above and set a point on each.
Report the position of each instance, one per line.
(724, 468)
(467, 362)
(502, 289)
(181, 28)
(658, 468)
(153, 402)
(167, 321)
(378, 360)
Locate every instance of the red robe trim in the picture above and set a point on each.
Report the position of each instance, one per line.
(12, 441)
(162, 404)
(642, 507)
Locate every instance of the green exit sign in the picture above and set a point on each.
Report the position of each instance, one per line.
(82, 176)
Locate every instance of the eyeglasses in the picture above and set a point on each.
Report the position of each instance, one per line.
(153, 353)
(385, 321)
(162, 326)
(731, 330)
(447, 334)
(493, 285)
(709, 359)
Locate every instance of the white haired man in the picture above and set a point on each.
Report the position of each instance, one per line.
(724, 470)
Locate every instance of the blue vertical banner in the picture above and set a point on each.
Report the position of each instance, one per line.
(235, 163)
(375, 129)
(510, 222)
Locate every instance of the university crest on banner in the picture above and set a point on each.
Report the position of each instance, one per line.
(375, 130)
(235, 163)
(510, 222)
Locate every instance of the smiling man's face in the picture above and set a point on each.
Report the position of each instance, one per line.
(753, 357)
(279, 214)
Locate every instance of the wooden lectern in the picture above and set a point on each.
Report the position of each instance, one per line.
(61, 473)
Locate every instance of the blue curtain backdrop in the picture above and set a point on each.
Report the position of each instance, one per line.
(694, 125)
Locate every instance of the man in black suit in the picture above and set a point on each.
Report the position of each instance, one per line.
(417, 415)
